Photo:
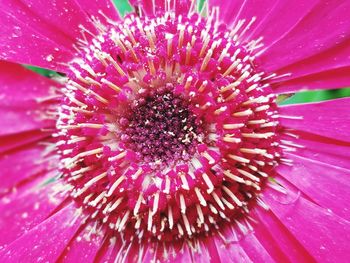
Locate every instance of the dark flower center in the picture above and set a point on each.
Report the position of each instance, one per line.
(160, 127)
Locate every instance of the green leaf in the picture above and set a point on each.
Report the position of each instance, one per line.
(123, 6)
(45, 72)
(314, 96)
(201, 4)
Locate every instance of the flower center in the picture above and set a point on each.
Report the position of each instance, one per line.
(160, 127)
(167, 130)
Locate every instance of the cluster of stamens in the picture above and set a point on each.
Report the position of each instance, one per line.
(166, 130)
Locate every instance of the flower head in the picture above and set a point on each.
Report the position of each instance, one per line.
(167, 128)
(164, 136)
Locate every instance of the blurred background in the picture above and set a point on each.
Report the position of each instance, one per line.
(300, 97)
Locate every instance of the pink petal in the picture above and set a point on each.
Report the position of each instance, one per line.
(266, 238)
(268, 24)
(328, 118)
(322, 149)
(284, 16)
(183, 255)
(214, 248)
(331, 79)
(28, 16)
(108, 251)
(53, 13)
(20, 166)
(232, 246)
(23, 211)
(33, 32)
(228, 13)
(205, 250)
(271, 230)
(334, 58)
(100, 9)
(326, 185)
(204, 255)
(22, 113)
(258, 10)
(311, 36)
(256, 251)
(81, 247)
(23, 44)
(175, 252)
(46, 241)
(288, 49)
(322, 233)
(134, 252)
(21, 120)
(232, 252)
(148, 255)
(10, 142)
(15, 81)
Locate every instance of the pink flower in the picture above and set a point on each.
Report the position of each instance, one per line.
(162, 138)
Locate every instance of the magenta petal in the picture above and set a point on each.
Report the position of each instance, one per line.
(223, 248)
(175, 253)
(134, 252)
(108, 251)
(184, 255)
(82, 248)
(275, 234)
(322, 233)
(328, 118)
(21, 165)
(329, 69)
(281, 19)
(148, 255)
(28, 17)
(45, 242)
(22, 113)
(232, 252)
(33, 32)
(22, 44)
(205, 251)
(322, 34)
(204, 255)
(326, 185)
(22, 212)
(228, 13)
(266, 238)
(331, 79)
(20, 120)
(259, 10)
(322, 149)
(10, 142)
(53, 13)
(334, 58)
(268, 23)
(100, 9)
(15, 81)
(255, 250)
(233, 247)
